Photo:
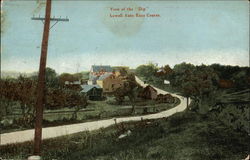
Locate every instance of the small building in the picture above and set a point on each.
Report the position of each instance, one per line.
(93, 92)
(148, 93)
(167, 98)
(109, 82)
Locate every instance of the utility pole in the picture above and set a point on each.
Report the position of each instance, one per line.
(1, 10)
(40, 101)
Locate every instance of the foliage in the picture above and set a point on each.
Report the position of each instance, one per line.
(50, 77)
(197, 82)
(213, 88)
(23, 90)
(71, 77)
(129, 89)
(146, 71)
(240, 76)
(171, 138)
(66, 77)
(234, 115)
(202, 82)
(58, 98)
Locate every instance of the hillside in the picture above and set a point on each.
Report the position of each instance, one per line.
(183, 136)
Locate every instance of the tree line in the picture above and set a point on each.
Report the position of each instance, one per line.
(23, 91)
(220, 91)
(200, 82)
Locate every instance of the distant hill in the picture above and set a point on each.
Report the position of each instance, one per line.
(14, 74)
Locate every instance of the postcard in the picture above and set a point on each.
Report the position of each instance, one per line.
(124, 80)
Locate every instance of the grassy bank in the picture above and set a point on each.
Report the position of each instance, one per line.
(184, 136)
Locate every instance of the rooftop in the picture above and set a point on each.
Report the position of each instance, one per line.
(87, 88)
(104, 76)
(106, 68)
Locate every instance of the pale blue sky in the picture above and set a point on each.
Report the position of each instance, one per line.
(191, 31)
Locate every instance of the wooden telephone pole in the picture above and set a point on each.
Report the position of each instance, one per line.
(40, 102)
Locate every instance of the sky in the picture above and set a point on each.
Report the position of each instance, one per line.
(198, 32)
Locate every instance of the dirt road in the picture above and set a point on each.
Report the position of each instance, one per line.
(51, 132)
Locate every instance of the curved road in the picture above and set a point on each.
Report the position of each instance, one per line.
(51, 132)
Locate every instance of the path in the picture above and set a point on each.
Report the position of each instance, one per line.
(51, 132)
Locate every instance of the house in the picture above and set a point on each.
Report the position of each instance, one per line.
(164, 70)
(93, 92)
(160, 72)
(92, 79)
(148, 93)
(109, 82)
(101, 68)
(167, 98)
(96, 71)
(225, 83)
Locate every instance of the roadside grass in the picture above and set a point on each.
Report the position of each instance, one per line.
(96, 110)
(183, 136)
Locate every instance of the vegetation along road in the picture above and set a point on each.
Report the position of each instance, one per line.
(51, 132)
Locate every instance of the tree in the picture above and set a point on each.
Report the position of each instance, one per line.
(146, 71)
(123, 71)
(241, 79)
(181, 73)
(7, 95)
(197, 82)
(59, 98)
(51, 78)
(129, 89)
(78, 76)
(26, 91)
(68, 77)
(23, 91)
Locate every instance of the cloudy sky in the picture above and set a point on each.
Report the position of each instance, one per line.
(187, 31)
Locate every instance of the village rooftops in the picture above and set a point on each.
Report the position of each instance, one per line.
(106, 68)
(104, 76)
(101, 77)
(93, 77)
(86, 88)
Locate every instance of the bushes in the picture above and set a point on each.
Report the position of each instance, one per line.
(23, 90)
(235, 116)
(58, 98)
